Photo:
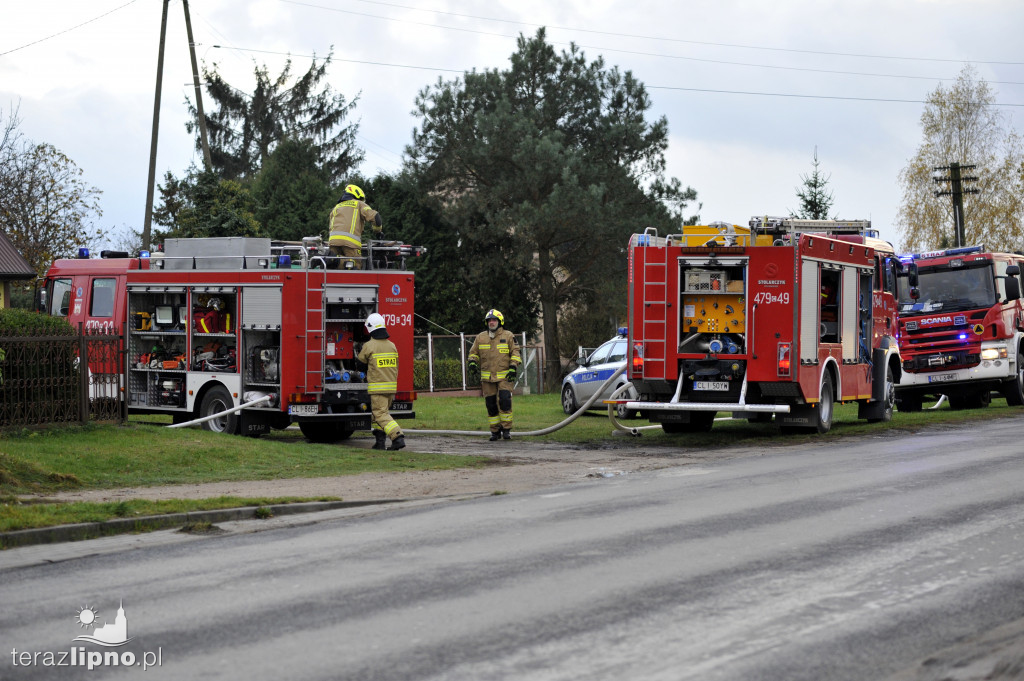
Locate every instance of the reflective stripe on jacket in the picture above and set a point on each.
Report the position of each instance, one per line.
(381, 359)
(495, 355)
(347, 221)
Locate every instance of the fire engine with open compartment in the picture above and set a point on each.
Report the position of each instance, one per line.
(212, 322)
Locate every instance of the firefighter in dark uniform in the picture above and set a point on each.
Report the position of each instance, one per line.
(381, 359)
(347, 221)
(495, 356)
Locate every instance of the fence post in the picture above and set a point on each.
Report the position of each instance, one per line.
(430, 361)
(462, 354)
(83, 376)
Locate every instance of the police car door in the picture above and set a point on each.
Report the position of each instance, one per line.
(590, 380)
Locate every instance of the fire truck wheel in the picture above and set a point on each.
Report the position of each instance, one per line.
(324, 432)
(889, 391)
(825, 405)
(217, 399)
(569, 405)
(1013, 391)
(977, 400)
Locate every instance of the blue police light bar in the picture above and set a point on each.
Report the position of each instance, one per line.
(143, 254)
(284, 261)
(623, 330)
(83, 253)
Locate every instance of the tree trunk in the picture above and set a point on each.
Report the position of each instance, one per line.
(549, 310)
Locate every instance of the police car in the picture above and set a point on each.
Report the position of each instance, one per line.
(582, 383)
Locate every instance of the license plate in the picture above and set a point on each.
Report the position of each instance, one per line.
(939, 378)
(304, 409)
(711, 385)
(401, 406)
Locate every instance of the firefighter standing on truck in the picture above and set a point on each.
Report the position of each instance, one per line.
(347, 221)
(495, 356)
(381, 359)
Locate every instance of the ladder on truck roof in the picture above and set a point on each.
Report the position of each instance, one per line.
(791, 225)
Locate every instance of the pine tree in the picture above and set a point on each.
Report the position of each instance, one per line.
(815, 200)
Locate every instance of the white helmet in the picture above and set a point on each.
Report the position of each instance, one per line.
(373, 322)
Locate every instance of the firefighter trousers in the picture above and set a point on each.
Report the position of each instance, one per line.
(498, 398)
(351, 254)
(380, 404)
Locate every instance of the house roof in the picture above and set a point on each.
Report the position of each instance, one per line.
(12, 264)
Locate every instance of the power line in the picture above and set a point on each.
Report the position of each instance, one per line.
(618, 34)
(66, 30)
(650, 87)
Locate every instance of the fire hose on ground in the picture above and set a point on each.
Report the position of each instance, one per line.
(550, 429)
(195, 422)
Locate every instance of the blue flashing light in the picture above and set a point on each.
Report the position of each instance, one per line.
(284, 261)
(962, 336)
(83, 253)
(623, 330)
(143, 254)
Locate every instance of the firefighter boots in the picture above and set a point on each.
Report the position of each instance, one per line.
(506, 433)
(380, 439)
(495, 435)
(397, 443)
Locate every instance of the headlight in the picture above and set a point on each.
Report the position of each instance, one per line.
(993, 353)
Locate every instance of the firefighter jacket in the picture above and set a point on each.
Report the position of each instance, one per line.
(347, 221)
(495, 354)
(381, 359)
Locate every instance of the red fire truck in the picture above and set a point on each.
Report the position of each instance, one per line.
(783, 317)
(962, 327)
(216, 323)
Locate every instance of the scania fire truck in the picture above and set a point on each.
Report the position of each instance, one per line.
(962, 327)
(216, 323)
(784, 317)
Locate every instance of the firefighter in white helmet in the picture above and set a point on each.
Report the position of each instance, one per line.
(347, 221)
(495, 356)
(381, 359)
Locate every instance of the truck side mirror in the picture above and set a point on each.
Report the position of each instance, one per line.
(1013, 270)
(912, 277)
(1012, 286)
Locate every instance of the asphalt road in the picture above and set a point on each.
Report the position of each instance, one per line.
(855, 560)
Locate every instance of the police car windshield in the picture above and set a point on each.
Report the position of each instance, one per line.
(948, 289)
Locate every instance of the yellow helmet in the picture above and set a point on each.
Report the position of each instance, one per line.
(355, 191)
(494, 314)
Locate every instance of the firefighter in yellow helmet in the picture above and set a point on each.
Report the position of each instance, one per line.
(495, 357)
(347, 221)
(381, 359)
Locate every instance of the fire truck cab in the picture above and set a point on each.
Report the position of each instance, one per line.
(212, 324)
(962, 327)
(784, 317)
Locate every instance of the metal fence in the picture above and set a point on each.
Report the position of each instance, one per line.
(43, 378)
(440, 364)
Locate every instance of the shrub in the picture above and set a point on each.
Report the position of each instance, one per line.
(15, 322)
(447, 374)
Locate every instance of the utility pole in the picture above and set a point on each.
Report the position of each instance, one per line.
(156, 128)
(199, 93)
(957, 191)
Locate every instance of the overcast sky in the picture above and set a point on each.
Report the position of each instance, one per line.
(749, 88)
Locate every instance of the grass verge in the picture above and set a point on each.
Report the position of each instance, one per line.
(17, 515)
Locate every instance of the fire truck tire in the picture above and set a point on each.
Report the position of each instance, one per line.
(978, 400)
(1013, 391)
(569, 403)
(889, 392)
(324, 432)
(826, 405)
(217, 399)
